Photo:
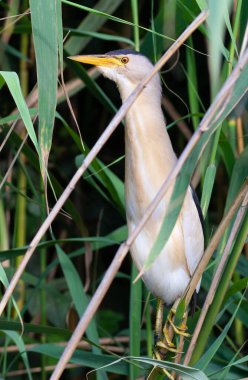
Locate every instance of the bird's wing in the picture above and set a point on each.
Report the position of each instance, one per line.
(192, 229)
(198, 206)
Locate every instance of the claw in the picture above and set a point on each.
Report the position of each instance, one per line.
(182, 327)
(168, 347)
(180, 330)
(167, 337)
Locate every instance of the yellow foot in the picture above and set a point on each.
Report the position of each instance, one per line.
(179, 330)
(165, 334)
(167, 346)
(164, 345)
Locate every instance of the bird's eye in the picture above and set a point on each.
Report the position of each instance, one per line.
(124, 60)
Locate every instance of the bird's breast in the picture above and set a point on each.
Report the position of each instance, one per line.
(149, 159)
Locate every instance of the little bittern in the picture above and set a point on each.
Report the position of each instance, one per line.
(148, 160)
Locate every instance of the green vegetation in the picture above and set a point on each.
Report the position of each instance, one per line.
(52, 113)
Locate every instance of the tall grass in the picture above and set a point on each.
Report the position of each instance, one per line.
(46, 293)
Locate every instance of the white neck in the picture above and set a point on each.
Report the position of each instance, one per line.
(149, 153)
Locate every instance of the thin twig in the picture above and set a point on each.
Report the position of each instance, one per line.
(171, 110)
(217, 276)
(18, 16)
(70, 106)
(118, 341)
(240, 135)
(8, 135)
(49, 368)
(9, 24)
(13, 162)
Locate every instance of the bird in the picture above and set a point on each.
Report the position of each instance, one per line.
(149, 158)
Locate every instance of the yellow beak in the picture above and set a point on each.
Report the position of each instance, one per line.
(98, 60)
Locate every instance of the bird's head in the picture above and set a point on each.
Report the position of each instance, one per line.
(125, 67)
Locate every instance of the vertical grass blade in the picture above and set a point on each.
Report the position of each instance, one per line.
(207, 188)
(135, 14)
(45, 34)
(20, 229)
(239, 174)
(59, 32)
(216, 23)
(192, 85)
(13, 84)
(21, 348)
(3, 227)
(135, 321)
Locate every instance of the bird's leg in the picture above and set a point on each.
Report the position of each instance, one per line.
(159, 352)
(170, 324)
(159, 320)
(164, 336)
(158, 330)
(161, 346)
